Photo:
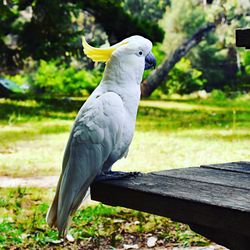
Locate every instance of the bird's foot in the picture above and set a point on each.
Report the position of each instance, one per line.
(116, 175)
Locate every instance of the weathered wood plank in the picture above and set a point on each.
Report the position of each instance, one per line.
(240, 167)
(214, 200)
(182, 200)
(209, 175)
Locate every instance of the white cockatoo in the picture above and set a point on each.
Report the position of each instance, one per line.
(104, 126)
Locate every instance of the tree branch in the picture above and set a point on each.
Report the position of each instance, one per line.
(160, 74)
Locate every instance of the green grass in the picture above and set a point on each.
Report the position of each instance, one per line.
(169, 134)
(22, 224)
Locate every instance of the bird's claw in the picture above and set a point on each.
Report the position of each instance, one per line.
(135, 174)
(116, 175)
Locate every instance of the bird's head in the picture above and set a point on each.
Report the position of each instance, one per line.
(132, 52)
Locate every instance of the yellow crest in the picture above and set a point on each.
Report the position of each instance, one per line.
(99, 54)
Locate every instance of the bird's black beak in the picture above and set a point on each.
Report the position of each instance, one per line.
(150, 61)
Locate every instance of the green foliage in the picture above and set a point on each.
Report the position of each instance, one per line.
(54, 79)
(218, 95)
(20, 79)
(246, 61)
(182, 19)
(216, 56)
(41, 29)
(180, 22)
(146, 9)
(125, 24)
(158, 53)
(243, 75)
(183, 78)
(34, 30)
(192, 16)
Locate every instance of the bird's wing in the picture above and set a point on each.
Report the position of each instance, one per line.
(96, 130)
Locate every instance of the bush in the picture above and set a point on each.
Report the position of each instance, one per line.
(218, 95)
(19, 79)
(52, 79)
(183, 79)
(243, 84)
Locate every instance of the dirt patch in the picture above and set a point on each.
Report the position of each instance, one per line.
(40, 181)
(133, 241)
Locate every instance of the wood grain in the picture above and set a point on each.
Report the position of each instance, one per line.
(235, 167)
(210, 176)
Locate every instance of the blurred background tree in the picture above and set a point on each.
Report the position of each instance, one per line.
(40, 37)
(52, 29)
(215, 57)
(223, 61)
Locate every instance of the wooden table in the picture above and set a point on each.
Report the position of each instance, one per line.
(214, 199)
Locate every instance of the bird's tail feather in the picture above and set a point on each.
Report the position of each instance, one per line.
(51, 216)
(83, 164)
(65, 213)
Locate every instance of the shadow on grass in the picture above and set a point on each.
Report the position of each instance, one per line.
(32, 133)
(152, 118)
(225, 103)
(149, 118)
(25, 110)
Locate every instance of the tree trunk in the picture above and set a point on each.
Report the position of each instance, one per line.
(159, 75)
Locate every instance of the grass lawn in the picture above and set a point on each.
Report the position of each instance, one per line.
(169, 134)
(22, 224)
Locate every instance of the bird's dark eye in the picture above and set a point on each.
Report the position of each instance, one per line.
(140, 53)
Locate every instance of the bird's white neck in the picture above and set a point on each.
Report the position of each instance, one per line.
(125, 72)
(125, 81)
